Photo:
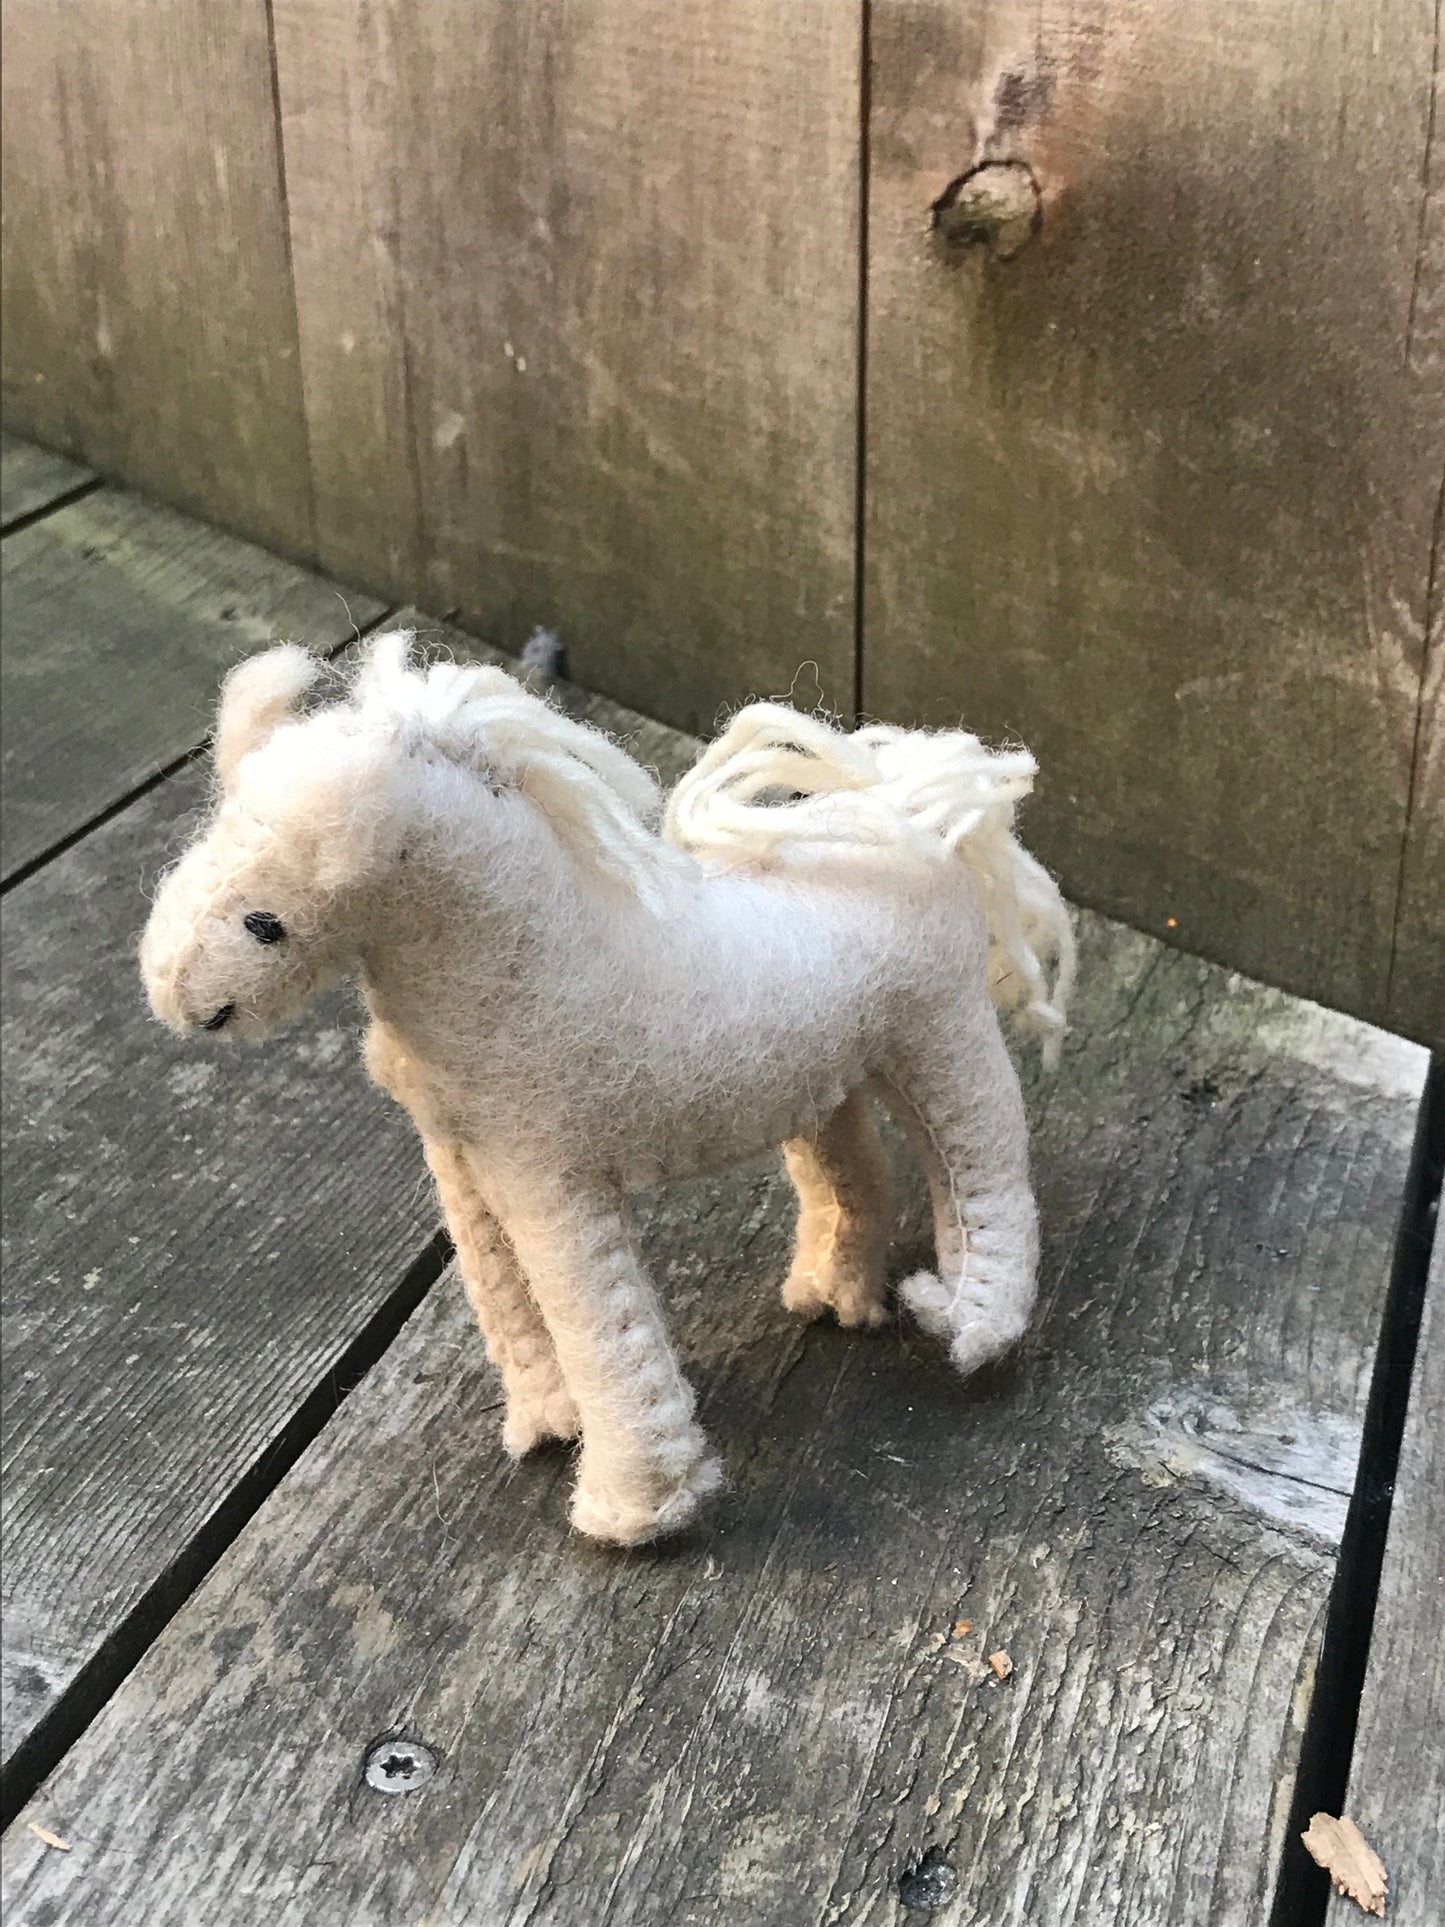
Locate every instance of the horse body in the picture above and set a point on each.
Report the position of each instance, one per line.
(647, 1040)
(571, 1009)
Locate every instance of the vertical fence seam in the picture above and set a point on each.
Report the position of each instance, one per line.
(313, 548)
(860, 442)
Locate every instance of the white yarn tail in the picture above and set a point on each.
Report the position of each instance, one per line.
(941, 792)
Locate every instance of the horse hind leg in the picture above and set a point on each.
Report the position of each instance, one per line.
(842, 1180)
(959, 1103)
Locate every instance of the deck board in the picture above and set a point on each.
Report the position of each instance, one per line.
(120, 619)
(764, 1722)
(1397, 1779)
(31, 478)
(191, 1239)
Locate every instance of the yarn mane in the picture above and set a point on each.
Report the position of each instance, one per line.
(773, 778)
(601, 803)
(941, 794)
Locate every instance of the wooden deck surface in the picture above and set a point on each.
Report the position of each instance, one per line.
(224, 1584)
(1397, 1789)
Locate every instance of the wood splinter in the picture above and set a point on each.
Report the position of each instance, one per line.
(1349, 1860)
(47, 1838)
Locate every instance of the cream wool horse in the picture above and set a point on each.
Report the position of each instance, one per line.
(572, 1005)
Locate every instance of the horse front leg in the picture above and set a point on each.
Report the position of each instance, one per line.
(644, 1465)
(539, 1405)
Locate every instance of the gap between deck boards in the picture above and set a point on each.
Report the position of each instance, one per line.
(1302, 1893)
(29, 517)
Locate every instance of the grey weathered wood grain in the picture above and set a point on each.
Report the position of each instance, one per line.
(1417, 983)
(577, 292)
(1397, 1778)
(763, 1723)
(1157, 495)
(149, 316)
(192, 1237)
(32, 477)
(1417, 977)
(119, 620)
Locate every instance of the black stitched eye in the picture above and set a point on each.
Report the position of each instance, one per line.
(264, 927)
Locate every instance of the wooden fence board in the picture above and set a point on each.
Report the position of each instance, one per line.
(149, 314)
(1157, 493)
(1417, 983)
(31, 478)
(192, 1237)
(119, 620)
(578, 309)
(764, 1721)
(1397, 1779)
(1417, 979)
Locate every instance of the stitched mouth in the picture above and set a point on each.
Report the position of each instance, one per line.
(222, 1017)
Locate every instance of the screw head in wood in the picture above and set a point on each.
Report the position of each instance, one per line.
(399, 1766)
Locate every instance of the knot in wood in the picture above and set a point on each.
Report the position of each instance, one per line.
(932, 1883)
(996, 205)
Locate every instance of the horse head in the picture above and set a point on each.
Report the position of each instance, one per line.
(267, 905)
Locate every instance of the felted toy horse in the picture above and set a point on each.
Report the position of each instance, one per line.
(573, 1002)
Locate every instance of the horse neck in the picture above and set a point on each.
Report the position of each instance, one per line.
(479, 903)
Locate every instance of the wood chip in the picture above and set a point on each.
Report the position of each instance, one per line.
(1349, 1860)
(962, 1628)
(50, 1839)
(1001, 1663)
(969, 1660)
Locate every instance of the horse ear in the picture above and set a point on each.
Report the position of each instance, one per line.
(256, 696)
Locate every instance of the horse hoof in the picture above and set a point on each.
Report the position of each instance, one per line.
(620, 1521)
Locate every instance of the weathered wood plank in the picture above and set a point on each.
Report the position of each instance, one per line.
(578, 305)
(1417, 983)
(119, 620)
(31, 478)
(1397, 1779)
(763, 1722)
(1417, 980)
(1157, 493)
(149, 316)
(179, 1273)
